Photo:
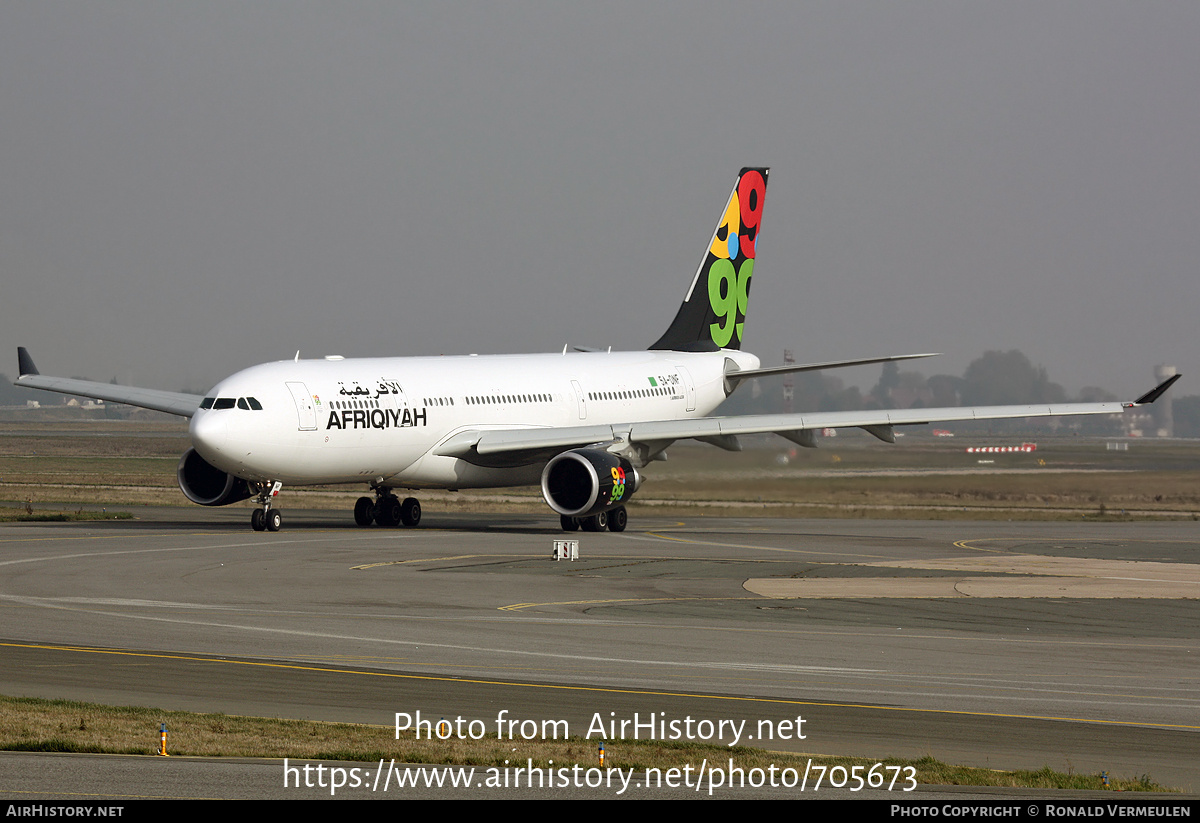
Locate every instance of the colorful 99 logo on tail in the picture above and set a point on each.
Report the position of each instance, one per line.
(714, 313)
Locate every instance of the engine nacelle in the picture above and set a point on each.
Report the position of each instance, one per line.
(583, 482)
(207, 485)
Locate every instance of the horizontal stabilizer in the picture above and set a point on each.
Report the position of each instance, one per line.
(733, 376)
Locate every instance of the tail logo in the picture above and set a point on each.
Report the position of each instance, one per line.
(714, 312)
(733, 246)
(739, 228)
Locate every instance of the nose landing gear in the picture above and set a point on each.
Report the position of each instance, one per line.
(267, 518)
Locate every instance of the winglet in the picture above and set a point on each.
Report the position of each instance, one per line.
(1156, 392)
(25, 362)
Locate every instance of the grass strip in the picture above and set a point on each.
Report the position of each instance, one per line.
(19, 516)
(39, 725)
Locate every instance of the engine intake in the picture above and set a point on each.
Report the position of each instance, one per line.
(583, 482)
(207, 485)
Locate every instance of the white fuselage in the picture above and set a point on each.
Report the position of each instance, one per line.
(381, 420)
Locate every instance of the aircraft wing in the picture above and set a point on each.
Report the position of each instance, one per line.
(184, 405)
(495, 445)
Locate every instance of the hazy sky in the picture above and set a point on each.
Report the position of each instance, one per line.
(187, 189)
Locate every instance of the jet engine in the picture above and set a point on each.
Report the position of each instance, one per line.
(584, 482)
(207, 485)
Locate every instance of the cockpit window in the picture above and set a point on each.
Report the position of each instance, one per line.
(243, 403)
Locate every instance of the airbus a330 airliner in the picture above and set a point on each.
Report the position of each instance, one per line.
(580, 423)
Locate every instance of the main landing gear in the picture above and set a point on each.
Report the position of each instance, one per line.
(267, 518)
(614, 520)
(387, 510)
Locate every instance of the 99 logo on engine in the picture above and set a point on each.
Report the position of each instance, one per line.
(618, 489)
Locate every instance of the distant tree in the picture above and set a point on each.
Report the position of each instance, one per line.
(1186, 413)
(889, 379)
(944, 390)
(911, 391)
(1095, 394)
(844, 400)
(1000, 378)
(811, 389)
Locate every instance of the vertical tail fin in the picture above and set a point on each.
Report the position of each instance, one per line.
(714, 310)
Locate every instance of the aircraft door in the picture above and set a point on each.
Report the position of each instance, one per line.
(306, 412)
(398, 398)
(580, 399)
(689, 387)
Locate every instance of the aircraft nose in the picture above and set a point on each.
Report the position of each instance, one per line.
(209, 433)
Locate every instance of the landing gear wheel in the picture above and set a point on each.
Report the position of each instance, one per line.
(595, 523)
(265, 518)
(364, 511)
(617, 519)
(410, 512)
(388, 512)
(569, 524)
